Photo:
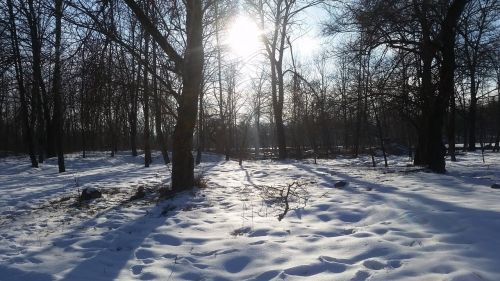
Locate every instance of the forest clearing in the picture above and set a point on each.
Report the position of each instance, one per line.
(393, 223)
(260, 140)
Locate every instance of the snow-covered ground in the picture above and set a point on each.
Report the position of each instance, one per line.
(386, 224)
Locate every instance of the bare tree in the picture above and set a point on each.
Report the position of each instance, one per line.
(279, 15)
(27, 128)
(190, 68)
(58, 122)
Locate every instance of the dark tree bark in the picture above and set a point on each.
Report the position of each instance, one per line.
(497, 139)
(162, 142)
(472, 112)
(431, 151)
(37, 99)
(426, 94)
(435, 148)
(451, 128)
(278, 99)
(133, 112)
(27, 129)
(45, 129)
(200, 131)
(58, 122)
(145, 98)
(222, 114)
(190, 67)
(183, 164)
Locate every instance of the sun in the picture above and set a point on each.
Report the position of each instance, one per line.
(243, 37)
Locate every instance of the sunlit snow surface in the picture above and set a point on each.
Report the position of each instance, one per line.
(387, 224)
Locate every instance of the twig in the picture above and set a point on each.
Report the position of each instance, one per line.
(280, 217)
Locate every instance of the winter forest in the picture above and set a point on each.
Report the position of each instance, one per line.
(249, 140)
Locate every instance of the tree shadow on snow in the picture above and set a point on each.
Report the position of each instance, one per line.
(105, 257)
(469, 231)
(14, 274)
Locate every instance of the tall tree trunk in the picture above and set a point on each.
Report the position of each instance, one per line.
(426, 87)
(280, 126)
(145, 97)
(190, 67)
(182, 158)
(446, 83)
(276, 91)
(27, 128)
(380, 135)
(110, 99)
(200, 131)
(83, 110)
(222, 115)
(426, 93)
(40, 96)
(162, 142)
(451, 128)
(360, 116)
(472, 112)
(435, 152)
(497, 140)
(133, 112)
(58, 122)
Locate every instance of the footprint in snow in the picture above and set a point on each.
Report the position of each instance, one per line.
(380, 231)
(259, 232)
(191, 276)
(34, 260)
(228, 251)
(200, 265)
(373, 264)
(307, 270)
(394, 264)
(186, 225)
(280, 260)
(268, 275)
(313, 238)
(137, 269)
(198, 254)
(322, 207)
(148, 276)
(144, 254)
(348, 216)
(324, 217)
(236, 264)
(169, 256)
(166, 239)
(360, 275)
(260, 242)
(328, 259)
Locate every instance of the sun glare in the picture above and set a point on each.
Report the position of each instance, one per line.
(243, 37)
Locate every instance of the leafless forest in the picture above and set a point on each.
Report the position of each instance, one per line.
(380, 77)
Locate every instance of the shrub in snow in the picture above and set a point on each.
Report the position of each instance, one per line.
(200, 181)
(281, 198)
(340, 184)
(165, 192)
(240, 231)
(90, 193)
(495, 186)
(139, 194)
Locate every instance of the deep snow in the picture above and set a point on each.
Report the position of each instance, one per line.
(387, 224)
